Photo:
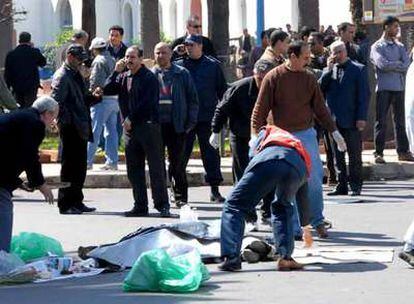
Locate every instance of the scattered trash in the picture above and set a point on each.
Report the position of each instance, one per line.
(31, 246)
(187, 214)
(177, 269)
(9, 262)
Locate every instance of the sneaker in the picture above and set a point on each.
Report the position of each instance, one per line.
(230, 264)
(71, 210)
(321, 231)
(288, 265)
(250, 256)
(407, 256)
(339, 190)
(108, 167)
(407, 156)
(135, 212)
(379, 159)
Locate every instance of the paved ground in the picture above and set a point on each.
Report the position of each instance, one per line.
(97, 178)
(380, 220)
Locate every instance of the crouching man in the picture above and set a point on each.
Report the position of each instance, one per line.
(280, 163)
(22, 132)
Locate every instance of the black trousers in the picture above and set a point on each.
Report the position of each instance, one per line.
(175, 144)
(209, 155)
(323, 134)
(73, 170)
(240, 152)
(26, 99)
(144, 142)
(354, 149)
(385, 99)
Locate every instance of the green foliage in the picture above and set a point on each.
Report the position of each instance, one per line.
(165, 38)
(50, 49)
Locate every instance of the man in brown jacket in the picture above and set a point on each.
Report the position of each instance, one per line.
(293, 95)
(278, 45)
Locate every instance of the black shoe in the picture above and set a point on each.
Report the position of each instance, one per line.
(356, 192)
(407, 256)
(230, 264)
(135, 212)
(180, 203)
(71, 210)
(164, 212)
(85, 208)
(338, 191)
(217, 198)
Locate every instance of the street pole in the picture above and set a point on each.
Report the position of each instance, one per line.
(260, 20)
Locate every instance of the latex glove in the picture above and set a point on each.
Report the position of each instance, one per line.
(215, 140)
(340, 141)
(253, 138)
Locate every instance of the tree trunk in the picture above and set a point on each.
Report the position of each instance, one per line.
(6, 29)
(218, 27)
(306, 13)
(357, 12)
(150, 26)
(89, 18)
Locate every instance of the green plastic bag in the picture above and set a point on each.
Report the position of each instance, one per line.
(30, 246)
(156, 270)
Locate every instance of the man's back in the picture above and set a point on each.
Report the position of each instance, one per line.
(21, 68)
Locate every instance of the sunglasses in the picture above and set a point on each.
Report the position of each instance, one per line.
(196, 26)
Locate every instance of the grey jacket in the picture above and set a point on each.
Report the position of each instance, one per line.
(185, 99)
(102, 67)
(69, 90)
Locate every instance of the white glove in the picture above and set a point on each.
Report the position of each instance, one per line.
(253, 138)
(215, 140)
(340, 141)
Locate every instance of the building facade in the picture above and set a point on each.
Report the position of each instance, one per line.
(46, 18)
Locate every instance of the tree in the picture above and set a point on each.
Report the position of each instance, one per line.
(150, 26)
(218, 27)
(89, 17)
(307, 13)
(357, 12)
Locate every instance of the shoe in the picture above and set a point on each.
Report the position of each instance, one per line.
(164, 212)
(321, 231)
(356, 192)
(230, 264)
(71, 210)
(331, 182)
(379, 159)
(407, 257)
(260, 247)
(108, 167)
(85, 208)
(135, 212)
(338, 191)
(217, 198)
(180, 203)
(327, 223)
(288, 265)
(407, 156)
(250, 256)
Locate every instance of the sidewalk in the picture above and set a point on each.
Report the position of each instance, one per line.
(97, 178)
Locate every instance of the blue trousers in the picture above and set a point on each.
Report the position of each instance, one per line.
(252, 187)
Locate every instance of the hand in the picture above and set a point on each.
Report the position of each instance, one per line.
(360, 124)
(215, 140)
(340, 141)
(98, 92)
(127, 125)
(47, 193)
(180, 49)
(331, 61)
(120, 65)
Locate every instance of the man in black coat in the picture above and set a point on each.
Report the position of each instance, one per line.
(68, 89)
(21, 133)
(21, 70)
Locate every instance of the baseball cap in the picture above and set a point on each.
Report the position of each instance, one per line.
(194, 39)
(78, 51)
(97, 43)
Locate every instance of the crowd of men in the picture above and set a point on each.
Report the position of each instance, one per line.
(312, 86)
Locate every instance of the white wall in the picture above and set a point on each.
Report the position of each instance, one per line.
(334, 12)
(108, 13)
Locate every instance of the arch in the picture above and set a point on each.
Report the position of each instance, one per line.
(65, 14)
(128, 23)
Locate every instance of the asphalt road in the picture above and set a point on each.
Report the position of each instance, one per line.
(380, 220)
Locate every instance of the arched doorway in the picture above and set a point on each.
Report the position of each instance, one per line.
(65, 14)
(128, 24)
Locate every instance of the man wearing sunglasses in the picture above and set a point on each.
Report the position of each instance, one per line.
(193, 28)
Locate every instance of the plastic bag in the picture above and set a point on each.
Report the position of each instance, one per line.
(181, 270)
(9, 262)
(30, 246)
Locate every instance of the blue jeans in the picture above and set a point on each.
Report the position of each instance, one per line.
(308, 139)
(104, 115)
(252, 187)
(6, 219)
